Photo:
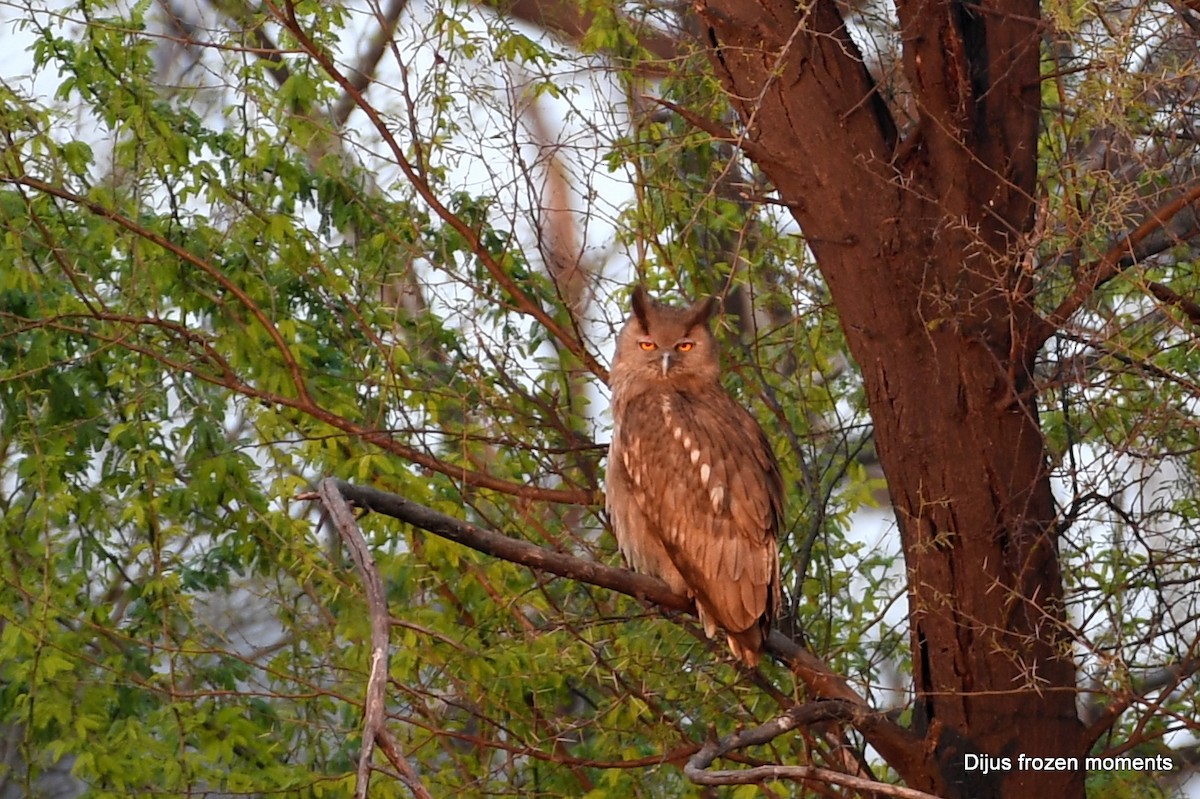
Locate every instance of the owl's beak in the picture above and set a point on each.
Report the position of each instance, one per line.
(666, 362)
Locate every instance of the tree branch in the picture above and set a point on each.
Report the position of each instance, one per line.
(1190, 308)
(364, 72)
(227, 378)
(295, 373)
(1119, 257)
(697, 768)
(513, 550)
(885, 735)
(522, 301)
(1166, 680)
(714, 129)
(373, 704)
(572, 22)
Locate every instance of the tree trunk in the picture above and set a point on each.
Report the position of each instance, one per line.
(920, 240)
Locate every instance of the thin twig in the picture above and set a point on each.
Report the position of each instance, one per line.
(512, 286)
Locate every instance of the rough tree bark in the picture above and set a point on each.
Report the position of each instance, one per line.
(920, 240)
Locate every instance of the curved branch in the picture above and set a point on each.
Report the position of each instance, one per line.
(374, 701)
(758, 774)
(698, 771)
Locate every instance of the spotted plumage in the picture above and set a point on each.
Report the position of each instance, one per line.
(694, 491)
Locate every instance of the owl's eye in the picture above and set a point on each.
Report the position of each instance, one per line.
(684, 346)
(647, 345)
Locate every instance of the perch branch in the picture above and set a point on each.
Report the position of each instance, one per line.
(885, 735)
(512, 549)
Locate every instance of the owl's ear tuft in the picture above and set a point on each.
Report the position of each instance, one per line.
(641, 306)
(701, 311)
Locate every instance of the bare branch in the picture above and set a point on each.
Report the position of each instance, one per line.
(697, 768)
(373, 705)
(714, 129)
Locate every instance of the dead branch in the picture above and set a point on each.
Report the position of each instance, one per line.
(373, 704)
(698, 771)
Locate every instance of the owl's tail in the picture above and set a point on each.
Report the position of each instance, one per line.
(747, 646)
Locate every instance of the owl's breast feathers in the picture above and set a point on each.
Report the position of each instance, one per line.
(696, 498)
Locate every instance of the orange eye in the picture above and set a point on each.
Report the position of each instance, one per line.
(647, 345)
(684, 346)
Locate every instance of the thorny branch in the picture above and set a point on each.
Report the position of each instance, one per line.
(1115, 261)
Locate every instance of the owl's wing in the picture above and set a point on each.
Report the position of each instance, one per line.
(625, 497)
(707, 480)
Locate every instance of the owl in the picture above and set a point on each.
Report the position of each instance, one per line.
(693, 489)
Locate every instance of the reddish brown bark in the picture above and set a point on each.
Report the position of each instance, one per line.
(919, 239)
